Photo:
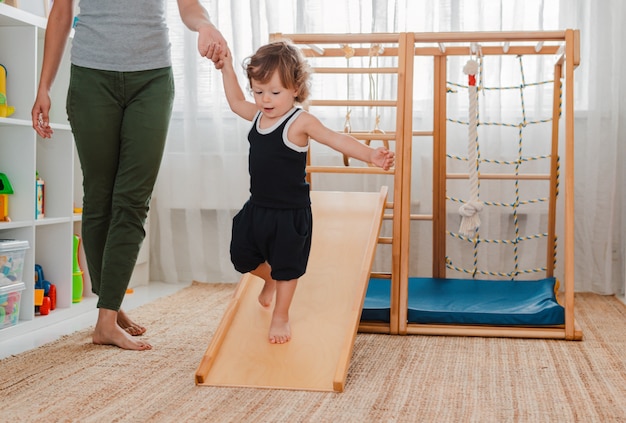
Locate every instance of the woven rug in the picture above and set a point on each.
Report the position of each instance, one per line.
(391, 378)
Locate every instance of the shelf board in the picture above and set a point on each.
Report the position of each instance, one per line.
(56, 316)
(16, 224)
(61, 126)
(51, 221)
(7, 121)
(12, 16)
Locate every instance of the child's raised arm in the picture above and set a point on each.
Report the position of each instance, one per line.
(234, 94)
(346, 144)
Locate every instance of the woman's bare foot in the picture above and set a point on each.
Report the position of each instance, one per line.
(280, 331)
(267, 293)
(128, 325)
(108, 332)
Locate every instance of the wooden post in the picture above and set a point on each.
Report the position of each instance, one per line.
(439, 167)
(402, 192)
(570, 55)
(554, 169)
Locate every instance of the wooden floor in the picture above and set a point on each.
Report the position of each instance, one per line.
(325, 312)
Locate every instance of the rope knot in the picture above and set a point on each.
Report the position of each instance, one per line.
(470, 219)
(471, 67)
(470, 208)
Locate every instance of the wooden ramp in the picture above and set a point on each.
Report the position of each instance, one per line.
(325, 311)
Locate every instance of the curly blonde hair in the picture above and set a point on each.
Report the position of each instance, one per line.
(288, 60)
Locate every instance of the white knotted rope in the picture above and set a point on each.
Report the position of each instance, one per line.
(470, 220)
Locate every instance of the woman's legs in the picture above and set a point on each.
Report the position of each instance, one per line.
(120, 123)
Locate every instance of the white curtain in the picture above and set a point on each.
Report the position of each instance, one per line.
(600, 187)
(204, 178)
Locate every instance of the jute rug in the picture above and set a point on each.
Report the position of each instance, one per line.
(391, 378)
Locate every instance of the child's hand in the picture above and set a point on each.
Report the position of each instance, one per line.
(383, 158)
(216, 54)
(221, 56)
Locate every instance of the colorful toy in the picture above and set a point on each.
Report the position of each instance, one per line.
(5, 109)
(45, 293)
(5, 190)
(12, 254)
(9, 309)
(77, 274)
(39, 197)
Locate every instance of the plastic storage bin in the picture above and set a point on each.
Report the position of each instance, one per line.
(12, 254)
(10, 296)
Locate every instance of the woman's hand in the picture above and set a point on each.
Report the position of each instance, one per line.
(212, 45)
(40, 116)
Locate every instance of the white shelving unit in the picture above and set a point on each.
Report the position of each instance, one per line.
(22, 154)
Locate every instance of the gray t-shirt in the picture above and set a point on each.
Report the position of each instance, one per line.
(121, 35)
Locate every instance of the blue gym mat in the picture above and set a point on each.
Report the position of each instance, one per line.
(470, 302)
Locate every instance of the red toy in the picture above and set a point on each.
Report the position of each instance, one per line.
(45, 293)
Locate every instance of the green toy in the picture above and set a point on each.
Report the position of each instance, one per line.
(5, 190)
(77, 274)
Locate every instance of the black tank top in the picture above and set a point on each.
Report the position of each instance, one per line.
(277, 167)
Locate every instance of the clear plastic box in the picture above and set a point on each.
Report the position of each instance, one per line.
(10, 296)
(12, 254)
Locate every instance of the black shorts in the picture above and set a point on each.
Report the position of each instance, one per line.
(281, 237)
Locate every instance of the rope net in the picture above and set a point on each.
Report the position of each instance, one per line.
(470, 208)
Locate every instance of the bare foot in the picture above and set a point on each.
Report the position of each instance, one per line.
(109, 332)
(267, 293)
(128, 325)
(117, 336)
(280, 331)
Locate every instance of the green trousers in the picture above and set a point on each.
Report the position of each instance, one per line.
(119, 121)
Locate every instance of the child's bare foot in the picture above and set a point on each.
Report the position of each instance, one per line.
(117, 336)
(128, 325)
(267, 293)
(280, 331)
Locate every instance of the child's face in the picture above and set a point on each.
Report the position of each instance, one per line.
(272, 98)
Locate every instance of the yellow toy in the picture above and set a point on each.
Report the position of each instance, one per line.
(5, 109)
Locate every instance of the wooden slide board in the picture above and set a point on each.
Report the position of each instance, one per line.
(324, 314)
